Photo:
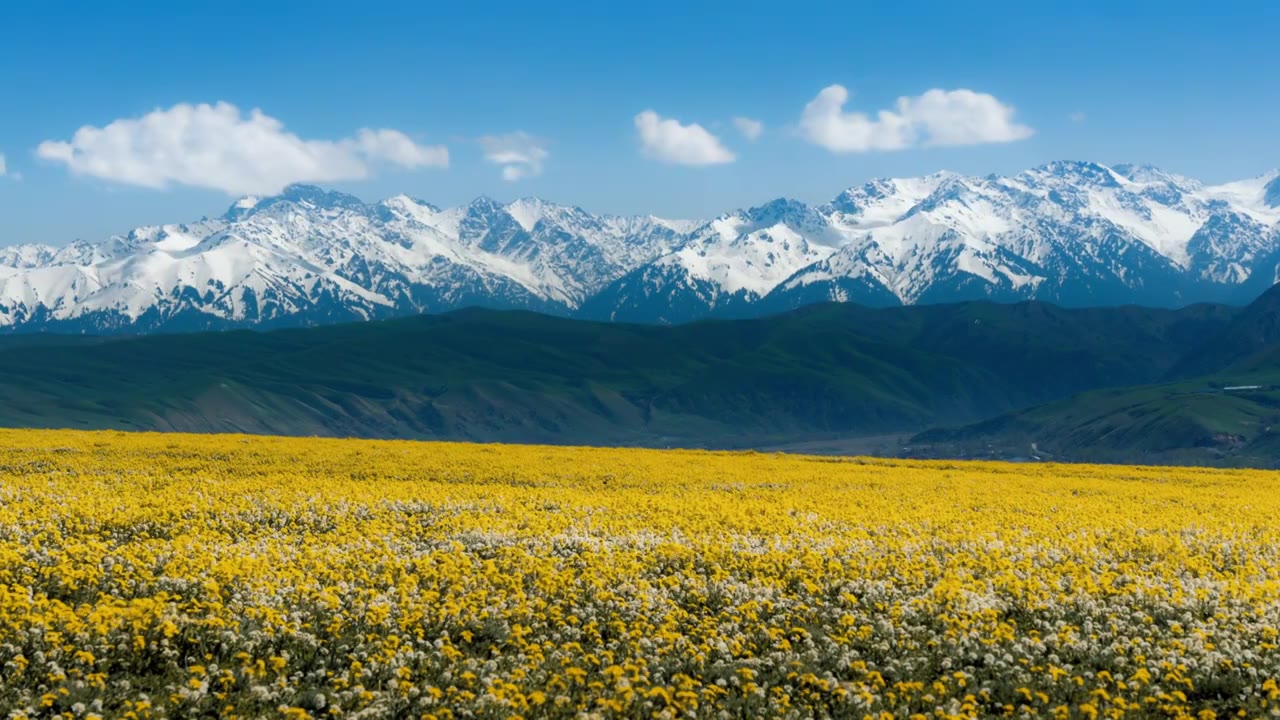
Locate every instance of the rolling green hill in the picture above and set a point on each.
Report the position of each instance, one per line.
(1191, 423)
(1249, 339)
(1218, 405)
(823, 371)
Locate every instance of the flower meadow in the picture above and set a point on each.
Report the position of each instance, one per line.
(179, 576)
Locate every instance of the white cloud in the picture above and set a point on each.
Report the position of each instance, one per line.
(1078, 117)
(750, 129)
(2, 165)
(520, 154)
(669, 141)
(397, 148)
(215, 146)
(936, 118)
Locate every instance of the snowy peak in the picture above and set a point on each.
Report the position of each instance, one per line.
(487, 224)
(1078, 173)
(530, 211)
(241, 207)
(745, 258)
(318, 197)
(1152, 175)
(784, 211)
(405, 202)
(485, 206)
(883, 201)
(27, 256)
(405, 209)
(1072, 232)
(680, 227)
(310, 255)
(296, 198)
(1068, 231)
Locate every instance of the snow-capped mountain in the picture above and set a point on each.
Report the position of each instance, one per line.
(1076, 233)
(309, 256)
(727, 265)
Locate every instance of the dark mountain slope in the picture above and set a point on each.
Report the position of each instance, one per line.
(1221, 407)
(1253, 331)
(1194, 423)
(517, 376)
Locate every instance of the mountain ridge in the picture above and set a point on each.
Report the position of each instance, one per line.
(826, 370)
(1074, 233)
(1219, 404)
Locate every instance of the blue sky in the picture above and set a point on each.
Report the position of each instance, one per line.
(556, 91)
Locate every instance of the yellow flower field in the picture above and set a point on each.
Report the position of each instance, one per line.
(175, 576)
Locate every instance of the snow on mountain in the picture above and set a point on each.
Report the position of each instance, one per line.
(1071, 232)
(882, 202)
(1258, 197)
(310, 256)
(1077, 233)
(723, 266)
(528, 212)
(1271, 192)
(21, 257)
(754, 250)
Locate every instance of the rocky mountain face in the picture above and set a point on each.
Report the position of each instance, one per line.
(1074, 233)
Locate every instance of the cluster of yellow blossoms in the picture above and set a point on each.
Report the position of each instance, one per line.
(169, 576)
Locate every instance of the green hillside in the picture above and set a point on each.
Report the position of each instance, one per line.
(1220, 405)
(1192, 423)
(823, 371)
(1250, 339)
